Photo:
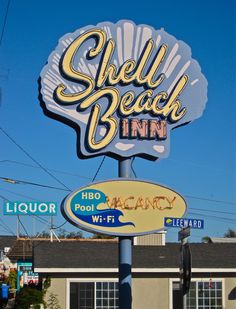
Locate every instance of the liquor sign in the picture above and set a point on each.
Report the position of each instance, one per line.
(30, 208)
(123, 87)
(184, 222)
(122, 207)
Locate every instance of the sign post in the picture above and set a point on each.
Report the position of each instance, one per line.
(124, 88)
(185, 264)
(125, 252)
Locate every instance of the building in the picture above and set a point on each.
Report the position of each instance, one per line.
(6, 243)
(21, 254)
(85, 272)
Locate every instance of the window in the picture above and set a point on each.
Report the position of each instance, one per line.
(94, 295)
(210, 295)
(202, 295)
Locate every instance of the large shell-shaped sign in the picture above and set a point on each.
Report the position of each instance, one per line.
(122, 207)
(123, 87)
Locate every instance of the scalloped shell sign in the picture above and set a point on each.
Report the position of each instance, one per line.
(122, 207)
(123, 87)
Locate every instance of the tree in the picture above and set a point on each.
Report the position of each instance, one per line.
(206, 239)
(11, 280)
(230, 233)
(102, 236)
(63, 234)
(53, 302)
(27, 296)
(68, 235)
(43, 234)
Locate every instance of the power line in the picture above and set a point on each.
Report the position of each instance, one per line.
(40, 219)
(16, 181)
(22, 195)
(49, 169)
(5, 22)
(3, 197)
(34, 160)
(196, 165)
(6, 230)
(100, 165)
(58, 227)
(3, 223)
(36, 216)
(187, 196)
(7, 227)
(19, 194)
(23, 226)
(223, 219)
(215, 211)
(52, 187)
(209, 200)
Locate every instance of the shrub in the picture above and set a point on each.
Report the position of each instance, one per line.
(27, 296)
(11, 280)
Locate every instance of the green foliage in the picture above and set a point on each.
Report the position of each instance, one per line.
(29, 296)
(102, 236)
(230, 233)
(32, 295)
(46, 284)
(53, 302)
(63, 234)
(43, 234)
(206, 239)
(68, 235)
(11, 280)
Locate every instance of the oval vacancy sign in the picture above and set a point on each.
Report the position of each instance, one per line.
(122, 207)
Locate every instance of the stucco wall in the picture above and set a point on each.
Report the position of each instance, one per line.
(58, 287)
(230, 293)
(150, 293)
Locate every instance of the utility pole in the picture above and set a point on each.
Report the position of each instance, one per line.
(52, 232)
(17, 227)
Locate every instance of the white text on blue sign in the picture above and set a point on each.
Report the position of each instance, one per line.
(30, 208)
(183, 222)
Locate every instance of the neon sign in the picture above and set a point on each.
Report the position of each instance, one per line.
(122, 207)
(123, 87)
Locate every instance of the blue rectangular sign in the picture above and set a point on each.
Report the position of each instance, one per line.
(30, 208)
(183, 222)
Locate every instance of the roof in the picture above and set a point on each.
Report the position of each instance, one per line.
(22, 248)
(223, 239)
(103, 255)
(6, 241)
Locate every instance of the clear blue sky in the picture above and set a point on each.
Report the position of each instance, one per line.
(202, 161)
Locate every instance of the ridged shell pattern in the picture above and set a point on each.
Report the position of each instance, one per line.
(130, 40)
